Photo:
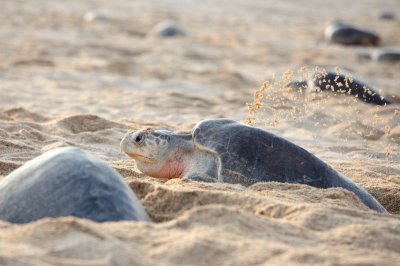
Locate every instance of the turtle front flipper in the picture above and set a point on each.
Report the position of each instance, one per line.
(202, 178)
(233, 177)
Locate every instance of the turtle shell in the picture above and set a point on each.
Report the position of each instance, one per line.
(341, 83)
(67, 182)
(346, 34)
(249, 155)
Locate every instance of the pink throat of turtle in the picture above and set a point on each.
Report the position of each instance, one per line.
(174, 166)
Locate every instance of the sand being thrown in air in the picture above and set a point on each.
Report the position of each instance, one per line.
(277, 105)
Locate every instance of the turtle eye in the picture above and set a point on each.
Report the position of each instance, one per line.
(139, 138)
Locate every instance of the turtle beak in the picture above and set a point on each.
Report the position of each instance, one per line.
(129, 146)
(123, 143)
(126, 144)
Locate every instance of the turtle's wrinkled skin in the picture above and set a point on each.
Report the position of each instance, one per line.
(227, 151)
(67, 182)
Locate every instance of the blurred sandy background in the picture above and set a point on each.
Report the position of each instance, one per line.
(67, 79)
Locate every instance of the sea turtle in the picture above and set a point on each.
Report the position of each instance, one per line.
(339, 32)
(344, 83)
(167, 29)
(388, 55)
(67, 182)
(224, 150)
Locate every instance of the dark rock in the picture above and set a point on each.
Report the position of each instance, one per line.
(382, 55)
(386, 55)
(95, 15)
(167, 29)
(387, 16)
(345, 34)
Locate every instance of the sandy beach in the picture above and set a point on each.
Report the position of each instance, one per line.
(84, 73)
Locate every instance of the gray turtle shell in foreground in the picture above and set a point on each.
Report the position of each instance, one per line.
(248, 155)
(67, 182)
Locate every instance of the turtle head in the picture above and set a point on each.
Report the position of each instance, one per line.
(147, 146)
(158, 153)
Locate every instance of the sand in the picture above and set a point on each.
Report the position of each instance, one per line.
(70, 81)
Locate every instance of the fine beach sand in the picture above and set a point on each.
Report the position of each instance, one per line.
(67, 81)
